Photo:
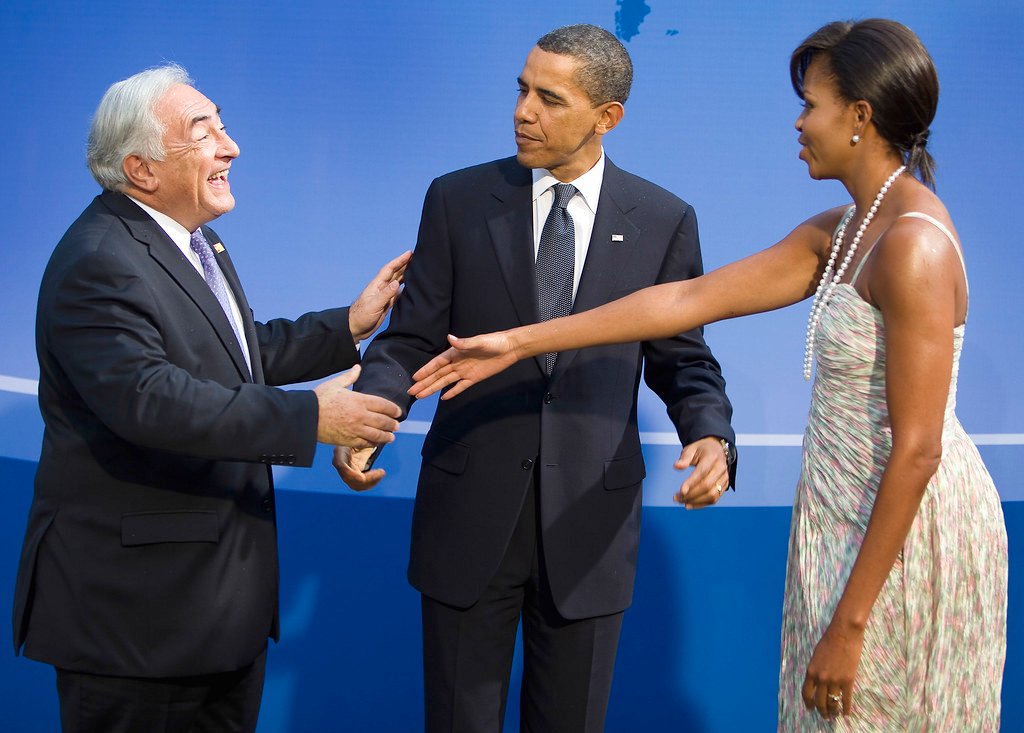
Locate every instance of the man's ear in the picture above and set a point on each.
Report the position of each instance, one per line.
(611, 115)
(140, 173)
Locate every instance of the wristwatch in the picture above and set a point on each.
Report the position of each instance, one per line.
(730, 453)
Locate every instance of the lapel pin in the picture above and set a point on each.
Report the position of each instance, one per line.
(617, 238)
(218, 247)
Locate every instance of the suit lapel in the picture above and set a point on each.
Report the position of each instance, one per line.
(611, 242)
(145, 230)
(511, 228)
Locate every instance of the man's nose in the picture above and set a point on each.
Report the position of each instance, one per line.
(228, 147)
(524, 110)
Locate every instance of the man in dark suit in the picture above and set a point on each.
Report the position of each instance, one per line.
(528, 503)
(148, 576)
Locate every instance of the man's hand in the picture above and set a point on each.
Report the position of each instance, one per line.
(368, 311)
(710, 477)
(349, 464)
(354, 419)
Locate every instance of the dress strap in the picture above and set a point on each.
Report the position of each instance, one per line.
(860, 265)
(931, 220)
(844, 219)
(949, 235)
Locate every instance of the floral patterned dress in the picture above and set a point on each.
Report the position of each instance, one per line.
(935, 641)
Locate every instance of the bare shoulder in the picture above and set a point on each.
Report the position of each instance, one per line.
(922, 237)
(829, 219)
(818, 229)
(915, 259)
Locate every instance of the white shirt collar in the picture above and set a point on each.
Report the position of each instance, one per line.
(178, 234)
(589, 184)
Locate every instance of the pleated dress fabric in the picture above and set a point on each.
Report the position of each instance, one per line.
(935, 641)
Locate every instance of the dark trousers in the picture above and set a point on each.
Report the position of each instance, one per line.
(467, 653)
(227, 702)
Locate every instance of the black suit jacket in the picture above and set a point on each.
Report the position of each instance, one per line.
(151, 546)
(473, 272)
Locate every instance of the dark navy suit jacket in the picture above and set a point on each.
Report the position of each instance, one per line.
(473, 272)
(151, 544)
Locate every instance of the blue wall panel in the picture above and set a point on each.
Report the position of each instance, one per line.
(699, 650)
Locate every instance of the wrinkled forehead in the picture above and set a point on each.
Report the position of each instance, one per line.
(182, 107)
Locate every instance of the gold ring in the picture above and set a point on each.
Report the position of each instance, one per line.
(718, 488)
(835, 697)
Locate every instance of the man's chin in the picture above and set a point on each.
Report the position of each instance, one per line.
(222, 206)
(529, 161)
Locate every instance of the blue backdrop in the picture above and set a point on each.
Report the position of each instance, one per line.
(344, 112)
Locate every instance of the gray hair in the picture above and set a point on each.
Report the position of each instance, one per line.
(126, 124)
(605, 72)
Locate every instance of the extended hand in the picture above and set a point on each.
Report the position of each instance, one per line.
(470, 360)
(354, 419)
(349, 463)
(710, 475)
(828, 685)
(368, 311)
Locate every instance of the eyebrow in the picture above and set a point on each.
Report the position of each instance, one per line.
(542, 91)
(203, 118)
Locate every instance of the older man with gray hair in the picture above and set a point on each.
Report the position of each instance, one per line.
(148, 575)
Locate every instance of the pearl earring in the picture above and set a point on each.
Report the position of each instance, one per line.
(855, 139)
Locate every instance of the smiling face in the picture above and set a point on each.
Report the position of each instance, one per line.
(557, 126)
(191, 182)
(826, 124)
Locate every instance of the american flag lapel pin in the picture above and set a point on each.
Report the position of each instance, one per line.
(218, 247)
(617, 238)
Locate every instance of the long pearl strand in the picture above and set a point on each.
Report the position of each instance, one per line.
(829, 280)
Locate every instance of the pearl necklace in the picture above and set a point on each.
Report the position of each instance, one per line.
(829, 280)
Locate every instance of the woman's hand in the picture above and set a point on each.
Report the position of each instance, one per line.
(828, 685)
(468, 361)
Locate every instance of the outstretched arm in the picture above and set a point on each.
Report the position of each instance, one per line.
(773, 278)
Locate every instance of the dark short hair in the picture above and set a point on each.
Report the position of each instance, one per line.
(605, 71)
(884, 63)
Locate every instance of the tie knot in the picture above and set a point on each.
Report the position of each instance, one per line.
(563, 194)
(198, 242)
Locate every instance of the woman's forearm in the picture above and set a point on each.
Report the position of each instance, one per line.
(652, 313)
(896, 505)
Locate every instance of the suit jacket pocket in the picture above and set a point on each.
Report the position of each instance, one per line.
(620, 473)
(148, 528)
(448, 455)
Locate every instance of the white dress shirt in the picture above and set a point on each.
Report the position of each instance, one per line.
(582, 208)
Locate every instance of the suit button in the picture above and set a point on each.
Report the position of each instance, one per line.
(548, 398)
(267, 504)
(527, 464)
